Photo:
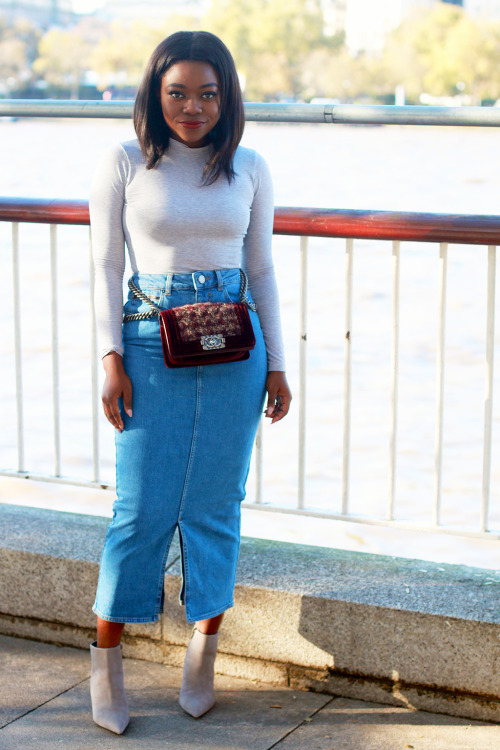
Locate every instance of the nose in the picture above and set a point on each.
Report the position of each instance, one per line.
(192, 105)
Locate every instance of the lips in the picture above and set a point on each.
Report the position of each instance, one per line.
(192, 124)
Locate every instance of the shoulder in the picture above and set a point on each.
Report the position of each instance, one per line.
(123, 154)
(131, 150)
(118, 163)
(250, 162)
(249, 159)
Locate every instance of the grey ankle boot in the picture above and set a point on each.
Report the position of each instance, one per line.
(107, 692)
(197, 691)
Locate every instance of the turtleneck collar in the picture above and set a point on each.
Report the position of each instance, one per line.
(178, 149)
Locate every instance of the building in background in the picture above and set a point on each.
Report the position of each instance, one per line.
(152, 10)
(334, 14)
(487, 9)
(43, 13)
(369, 23)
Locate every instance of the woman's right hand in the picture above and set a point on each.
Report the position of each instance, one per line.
(116, 384)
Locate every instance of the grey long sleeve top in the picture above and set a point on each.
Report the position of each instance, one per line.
(171, 223)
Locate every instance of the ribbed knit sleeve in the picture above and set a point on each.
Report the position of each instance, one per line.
(107, 199)
(258, 263)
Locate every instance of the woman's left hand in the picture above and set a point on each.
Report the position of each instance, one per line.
(279, 396)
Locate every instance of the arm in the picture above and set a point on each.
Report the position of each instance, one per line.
(258, 263)
(108, 249)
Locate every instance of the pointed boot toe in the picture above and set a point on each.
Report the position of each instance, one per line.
(107, 691)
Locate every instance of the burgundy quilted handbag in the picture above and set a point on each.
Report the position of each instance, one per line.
(206, 333)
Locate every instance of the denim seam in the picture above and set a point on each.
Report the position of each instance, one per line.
(186, 482)
(162, 574)
(211, 613)
(123, 618)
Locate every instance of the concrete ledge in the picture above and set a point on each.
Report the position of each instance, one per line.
(403, 632)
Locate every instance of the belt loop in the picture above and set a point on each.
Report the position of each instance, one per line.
(168, 285)
(220, 281)
(194, 282)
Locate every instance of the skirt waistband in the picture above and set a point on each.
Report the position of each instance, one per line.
(195, 281)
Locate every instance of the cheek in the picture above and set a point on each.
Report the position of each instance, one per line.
(216, 110)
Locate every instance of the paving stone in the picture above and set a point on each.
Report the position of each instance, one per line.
(355, 725)
(247, 716)
(32, 673)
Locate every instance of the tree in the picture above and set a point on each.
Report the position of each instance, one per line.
(121, 56)
(18, 44)
(270, 40)
(434, 51)
(64, 56)
(337, 75)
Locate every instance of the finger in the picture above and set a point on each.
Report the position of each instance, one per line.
(271, 402)
(282, 407)
(278, 413)
(113, 415)
(127, 399)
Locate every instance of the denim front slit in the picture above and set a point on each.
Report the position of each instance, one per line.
(181, 462)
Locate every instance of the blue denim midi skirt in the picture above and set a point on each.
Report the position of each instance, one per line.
(182, 462)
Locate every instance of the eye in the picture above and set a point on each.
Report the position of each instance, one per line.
(176, 94)
(209, 95)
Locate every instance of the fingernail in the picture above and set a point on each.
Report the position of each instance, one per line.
(129, 412)
(270, 410)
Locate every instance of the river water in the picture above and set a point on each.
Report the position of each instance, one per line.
(389, 168)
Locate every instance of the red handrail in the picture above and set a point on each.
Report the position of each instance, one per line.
(474, 229)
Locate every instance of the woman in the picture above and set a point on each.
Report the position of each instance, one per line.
(192, 207)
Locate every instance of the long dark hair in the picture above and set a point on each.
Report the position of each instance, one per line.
(150, 126)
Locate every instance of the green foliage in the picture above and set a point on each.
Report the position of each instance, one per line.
(434, 51)
(280, 50)
(63, 57)
(270, 40)
(18, 46)
(121, 55)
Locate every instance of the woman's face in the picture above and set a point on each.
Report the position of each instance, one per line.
(190, 101)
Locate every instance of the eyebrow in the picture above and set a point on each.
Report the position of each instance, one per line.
(181, 85)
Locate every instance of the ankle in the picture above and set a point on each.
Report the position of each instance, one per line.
(107, 642)
(109, 634)
(210, 626)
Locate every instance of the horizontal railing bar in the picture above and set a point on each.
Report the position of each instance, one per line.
(340, 114)
(473, 229)
(66, 108)
(44, 211)
(269, 508)
(74, 481)
(407, 525)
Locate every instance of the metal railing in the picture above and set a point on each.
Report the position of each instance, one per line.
(396, 227)
(336, 114)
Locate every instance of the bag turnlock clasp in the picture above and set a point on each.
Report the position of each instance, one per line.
(215, 341)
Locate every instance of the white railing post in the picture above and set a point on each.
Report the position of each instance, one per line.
(96, 469)
(488, 400)
(440, 353)
(55, 350)
(346, 449)
(302, 371)
(18, 347)
(396, 248)
(301, 508)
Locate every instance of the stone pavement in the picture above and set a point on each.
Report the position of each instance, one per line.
(45, 704)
